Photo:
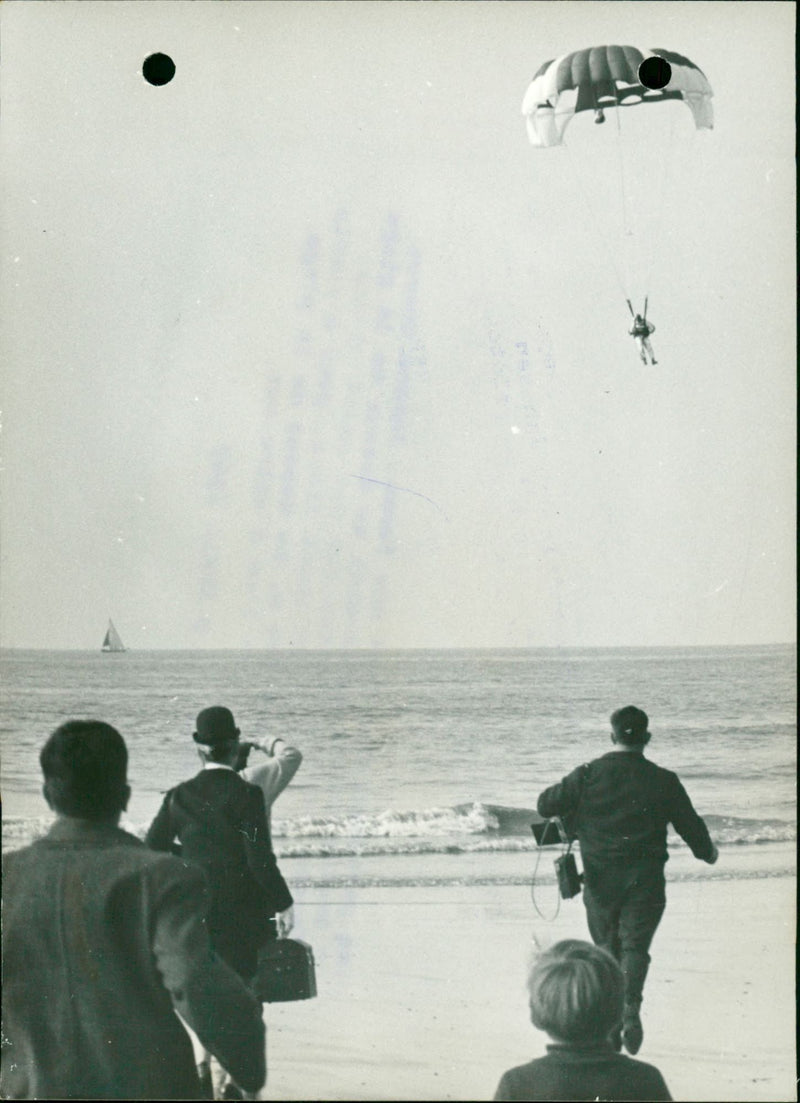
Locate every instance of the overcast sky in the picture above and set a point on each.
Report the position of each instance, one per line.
(311, 348)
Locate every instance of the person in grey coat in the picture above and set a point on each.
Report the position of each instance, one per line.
(103, 942)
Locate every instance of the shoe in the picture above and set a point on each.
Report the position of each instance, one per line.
(632, 1033)
(231, 1091)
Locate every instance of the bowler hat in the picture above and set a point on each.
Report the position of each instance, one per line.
(215, 725)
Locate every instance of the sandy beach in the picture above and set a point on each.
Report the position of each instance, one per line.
(421, 991)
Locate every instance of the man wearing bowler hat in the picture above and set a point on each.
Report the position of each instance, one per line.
(218, 820)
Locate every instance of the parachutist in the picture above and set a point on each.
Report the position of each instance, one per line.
(640, 331)
(599, 116)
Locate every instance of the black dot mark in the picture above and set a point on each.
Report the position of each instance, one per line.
(655, 72)
(158, 69)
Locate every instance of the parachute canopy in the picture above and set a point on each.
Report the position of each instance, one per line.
(607, 76)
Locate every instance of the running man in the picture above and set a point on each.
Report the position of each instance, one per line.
(620, 805)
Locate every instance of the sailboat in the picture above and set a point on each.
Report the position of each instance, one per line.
(112, 641)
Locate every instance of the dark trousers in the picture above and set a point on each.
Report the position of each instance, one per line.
(624, 905)
(237, 932)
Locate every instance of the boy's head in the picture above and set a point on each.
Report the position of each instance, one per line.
(84, 763)
(576, 992)
(629, 726)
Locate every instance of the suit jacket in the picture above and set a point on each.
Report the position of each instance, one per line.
(103, 941)
(219, 822)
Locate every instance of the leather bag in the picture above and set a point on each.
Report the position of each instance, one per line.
(285, 971)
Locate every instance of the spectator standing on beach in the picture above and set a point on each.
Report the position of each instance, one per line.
(576, 996)
(618, 806)
(103, 941)
(219, 820)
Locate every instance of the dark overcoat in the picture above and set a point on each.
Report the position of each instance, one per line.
(218, 820)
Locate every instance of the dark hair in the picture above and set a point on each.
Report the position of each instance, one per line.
(576, 992)
(630, 725)
(85, 764)
(221, 752)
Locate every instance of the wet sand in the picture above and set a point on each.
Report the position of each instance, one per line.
(421, 990)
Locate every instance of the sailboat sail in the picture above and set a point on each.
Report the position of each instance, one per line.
(112, 641)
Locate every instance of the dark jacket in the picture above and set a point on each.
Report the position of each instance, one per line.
(102, 941)
(573, 1072)
(219, 822)
(619, 807)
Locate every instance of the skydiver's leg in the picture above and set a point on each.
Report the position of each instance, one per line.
(649, 348)
(640, 347)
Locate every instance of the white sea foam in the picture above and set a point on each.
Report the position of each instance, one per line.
(473, 819)
(462, 829)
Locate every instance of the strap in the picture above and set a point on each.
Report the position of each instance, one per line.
(557, 820)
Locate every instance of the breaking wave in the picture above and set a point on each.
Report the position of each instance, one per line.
(466, 828)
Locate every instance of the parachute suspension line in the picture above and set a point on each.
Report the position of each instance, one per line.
(596, 222)
(626, 229)
(664, 177)
(621, 160)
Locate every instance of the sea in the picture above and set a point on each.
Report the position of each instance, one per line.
(422, 767)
